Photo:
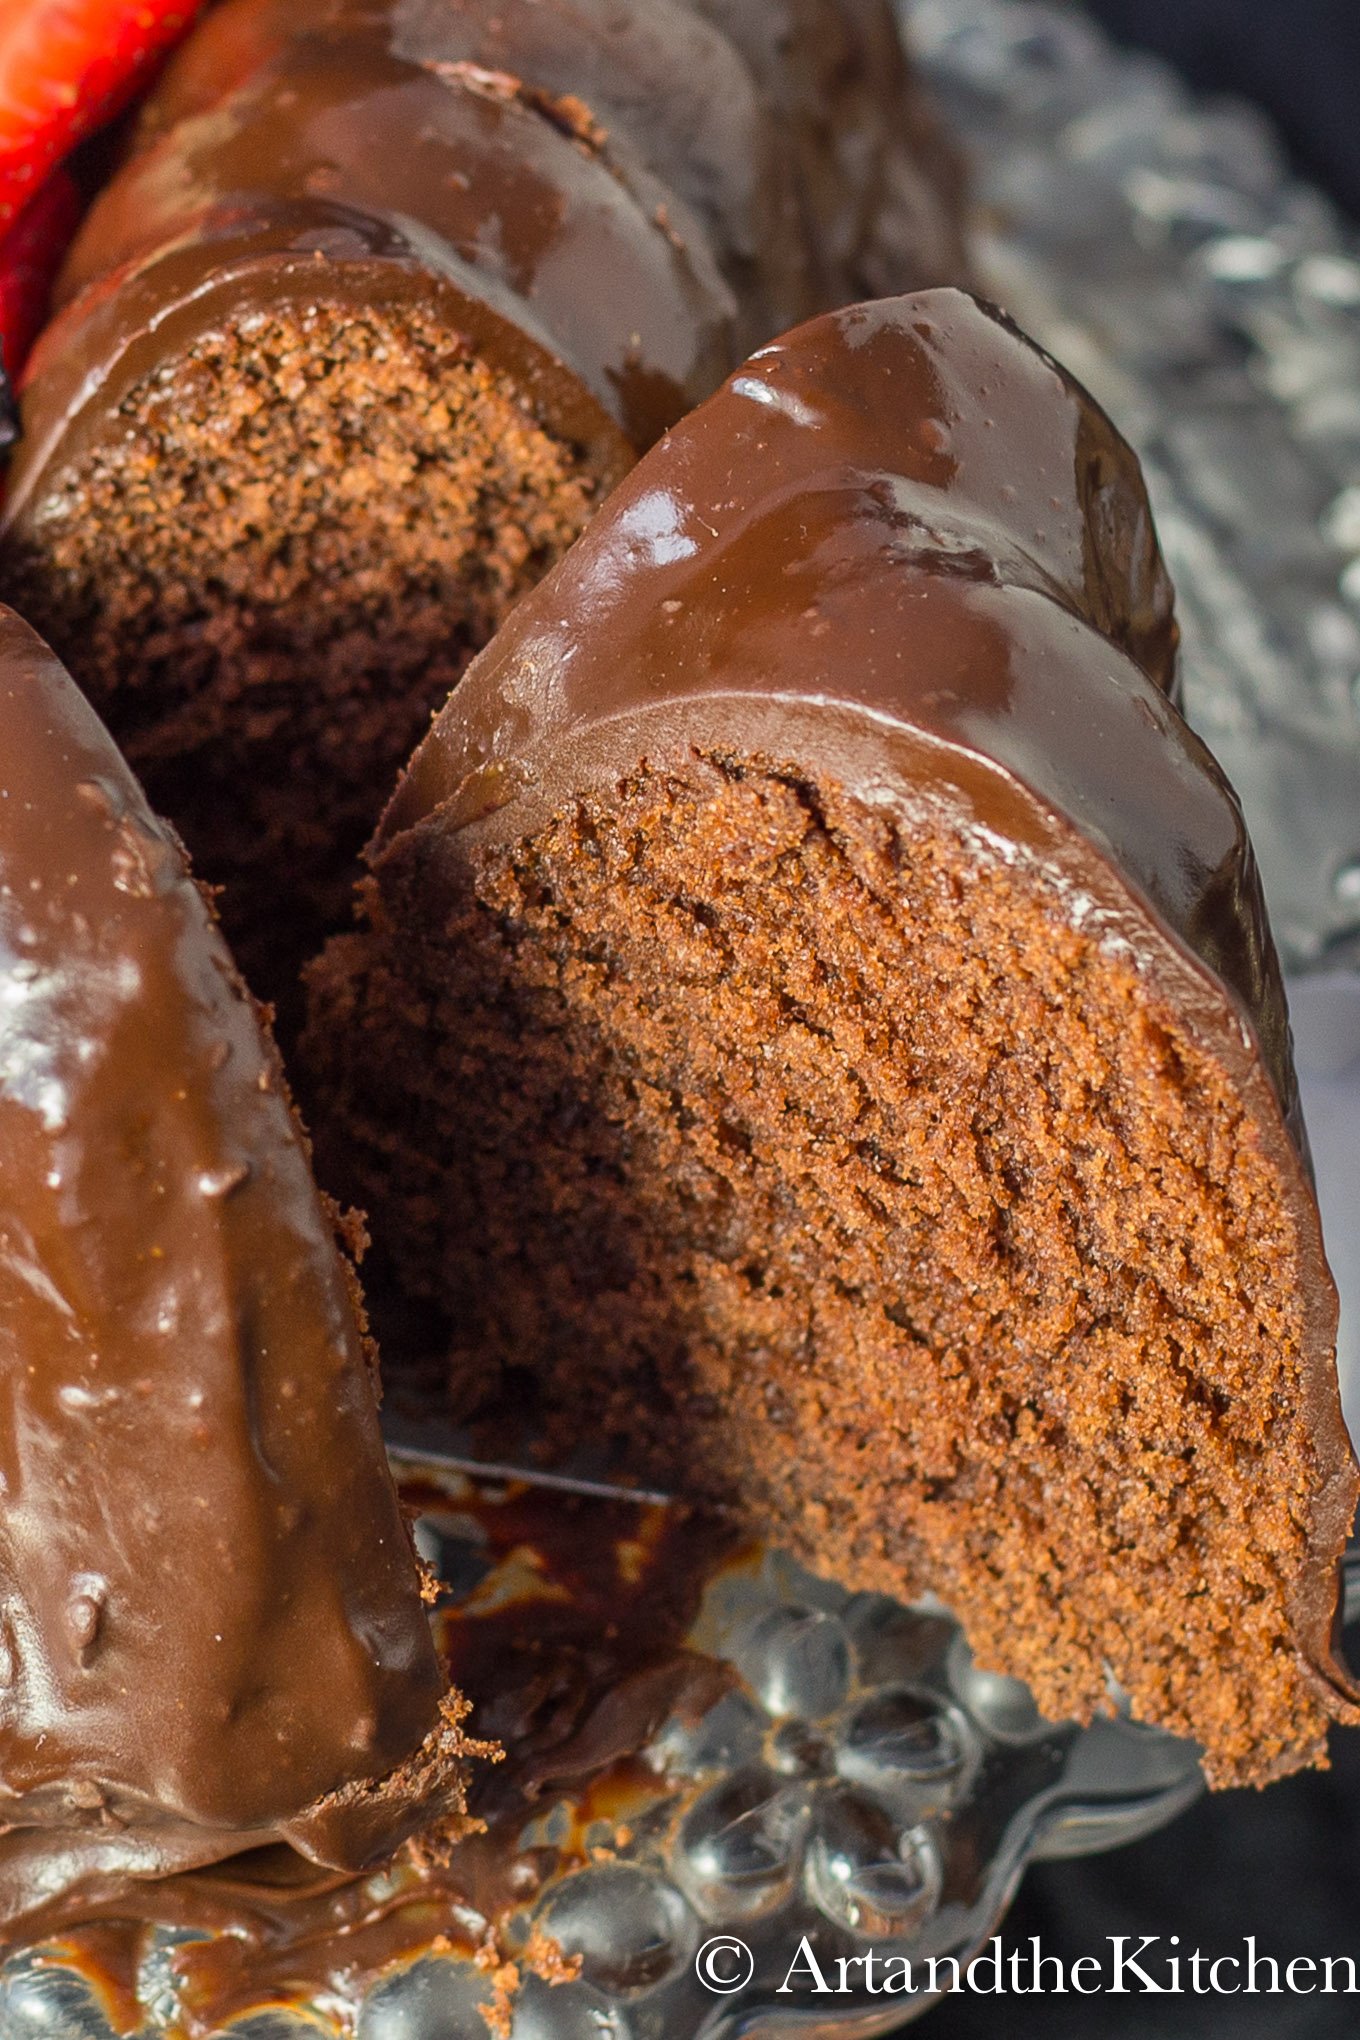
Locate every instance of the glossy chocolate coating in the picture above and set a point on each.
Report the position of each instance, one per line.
(612, 200)
(211, 1630)
(879, 180)
(901, 548)
(669, 95)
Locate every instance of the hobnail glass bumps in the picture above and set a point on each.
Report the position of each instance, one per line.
(859, 1782)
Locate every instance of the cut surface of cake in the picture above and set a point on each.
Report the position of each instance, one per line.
(385, 298)
(815, 1025)
(212, 1634)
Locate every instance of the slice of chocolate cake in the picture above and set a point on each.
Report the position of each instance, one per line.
(816, 1025)
(388, 294)
(211, 1628)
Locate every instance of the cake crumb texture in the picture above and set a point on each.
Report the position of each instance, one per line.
(271, 578)
(827, 1164)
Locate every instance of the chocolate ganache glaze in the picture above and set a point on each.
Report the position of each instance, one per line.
(605, 196)
(386, 296)
(211, 1628)
(815, 900)
(333, 165)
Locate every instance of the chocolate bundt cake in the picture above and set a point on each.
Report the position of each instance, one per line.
(211, 1628)
(388, 295)
(816, 1025)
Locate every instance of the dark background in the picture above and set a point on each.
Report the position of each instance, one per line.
(1284, 1864)
(1299, 59)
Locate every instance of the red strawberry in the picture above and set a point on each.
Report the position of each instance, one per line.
(30, 255)
(66, 66)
